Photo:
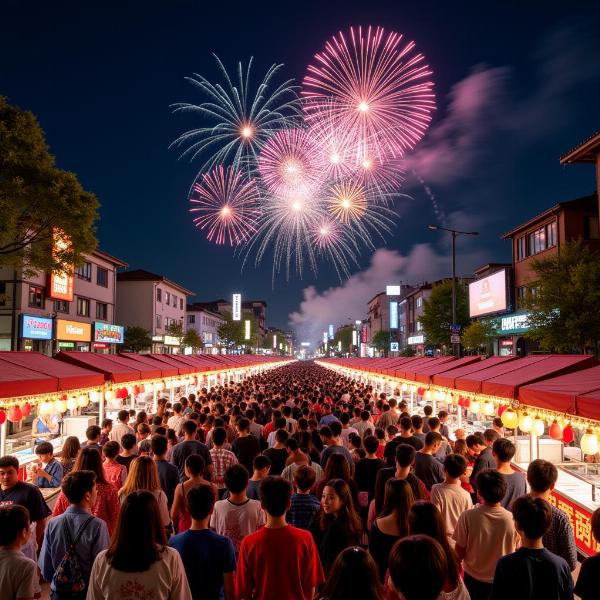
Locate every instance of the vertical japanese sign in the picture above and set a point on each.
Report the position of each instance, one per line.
(236, 307)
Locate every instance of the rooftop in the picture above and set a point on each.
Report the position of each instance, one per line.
(142, 275)
(584, 152)
(109, 257)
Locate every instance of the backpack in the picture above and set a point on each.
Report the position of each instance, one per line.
(68, 577)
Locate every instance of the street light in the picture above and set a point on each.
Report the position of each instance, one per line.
(455, 233)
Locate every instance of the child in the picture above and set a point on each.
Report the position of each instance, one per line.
(503, 452)
(18, 574)
(304, 505)
(114, 472)
(49, 473)
(588, 582)
(261, 467)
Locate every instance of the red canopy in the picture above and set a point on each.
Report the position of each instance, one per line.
(425, 374)
(19, 381)
(448, 378)
(409, 370)
(113, 371)
(165, 369)
(170, 359)
(146, 371)
(588, 405)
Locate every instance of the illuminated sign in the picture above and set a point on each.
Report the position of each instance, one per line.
(392, 290)
(60, 285)
(331, 332)
(515, 323)
(354, 337)
(393, 315)
(325, 338)
(107, 333)
(275, 342)
(340, 346)
(363, 335)
(488, 295)
(100, 345)
(394, 346)
(236, 307)
(73, 330)
(246, 329)
(36, 328)
(416, 339)
(305, 344)
(167, 340)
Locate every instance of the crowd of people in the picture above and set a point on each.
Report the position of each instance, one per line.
(296, 483)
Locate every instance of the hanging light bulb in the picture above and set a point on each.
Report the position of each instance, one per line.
(555, 431)
(83, 401)
(475, 407)
(510, 419)
(589, 442)
(109, 395)
(72, 403)
(93, 396)
(488, 408)
(568, 434)
(525, 423)
(60, 406)
(538, 426)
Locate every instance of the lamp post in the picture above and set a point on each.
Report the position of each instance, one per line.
(454, 233)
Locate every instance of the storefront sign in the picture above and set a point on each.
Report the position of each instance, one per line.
(36, 328)
(394, 346)
(100, 345)
(363, 335)
(73, 330)
(331, 332)
(247, 329)
(236, 307)
(66, 345)
(60, 285)
(354, 337)
(393, 315)
(416, 339)
(169, 340)
(515, 323)
(392, 290)
(110, 334)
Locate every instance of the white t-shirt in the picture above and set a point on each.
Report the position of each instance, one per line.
(452, 501)
(18, 575)
(236, 521)
(175, 422)
(165, 578)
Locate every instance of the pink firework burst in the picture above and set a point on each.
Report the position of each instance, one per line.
(226, 205)
(375, 84)
(289, 164)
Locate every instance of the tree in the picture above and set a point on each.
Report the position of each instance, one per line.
(192, 340)
(381, 341)
(344, 335)
(408, 352)
(137, 339)
(437, 313)
(478, 335)
(563, 305)
(39, 201)
(231, 333)
(175, 329)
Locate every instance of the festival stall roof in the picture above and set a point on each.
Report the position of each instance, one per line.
(198, 364)
(425, 374)
(389, 367)
(146, 371)
(448, 378)
(70, 377)
(183, 368)
(112, 371)
(563, 393)
(20, 381)
(409, 370)
(588, 405)
(165, 369)
(507, 385)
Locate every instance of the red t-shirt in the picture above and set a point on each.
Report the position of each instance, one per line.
(278, 564)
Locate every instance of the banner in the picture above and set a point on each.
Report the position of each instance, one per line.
(236, 307)
(111, 334)
(60, 285)
(73, 331)
(36, 328)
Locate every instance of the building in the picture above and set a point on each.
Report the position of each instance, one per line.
(51, 313)
(412, 307)
(153, 302)
(206, 323)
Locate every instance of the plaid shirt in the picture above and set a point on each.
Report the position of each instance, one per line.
(559, 538)
(222, 460)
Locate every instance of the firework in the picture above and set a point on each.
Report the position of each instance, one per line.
(347, 201)
(236, 118)
(375, 85)
(334, 242)
(226, 206)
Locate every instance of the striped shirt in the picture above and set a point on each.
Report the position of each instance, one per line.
(222, 459)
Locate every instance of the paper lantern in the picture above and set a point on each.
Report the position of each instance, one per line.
(60, 406)
(143, 388)
(501, 409)
(109, 395)
(72, 403)
(64, 397)
(26, 410)
(568, 434)
(129, 390)
(2, 417)
(510, 419)
(589, 441)
(15, 414)
(93, 396)
(538, 427)
(420, 391)
(488, 409)
(475, 407)
(403, 387)
(555, 431)
(83, 401)
(525, 423)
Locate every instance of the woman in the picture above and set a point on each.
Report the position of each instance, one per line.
(337, 525)
(143, 475)
(337, 467)
(392, 523)
(138, 563)
(69, 453)
(171, 441)
(44, 428)
(425, 518)
(194, 470)
(107, 502)
(353, 577)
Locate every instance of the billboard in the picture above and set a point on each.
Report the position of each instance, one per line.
(236, 307)
(331, 336)
(488, 295)
(392, 290)
(393, 315)
(73, 331)
(247, 329)
(60, 285)
(354, 337)
(110, 334)
(36, 328)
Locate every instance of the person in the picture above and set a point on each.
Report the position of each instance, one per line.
(450, 497)
(347, 429)
(532, 571)
(43, 428)
(280, 423)
(406, 437)
(168, 474)
(13, 491)
(256, 429)
(427, 468)
(588, 582)
(484, 534)
(106, 427)
(48, 473)
(92, 436)
(559, 539)
(296, 458)
(18, 574)
(418, 568)
(333, 446)
(328, 418)
(143, 475)
(337, 525)
(76, 528)
(417, 428)
(106, 506)
(278, 561)
(364, 425)
(128, 450)
(208, 558)
(443, 417)
(114, 472)
(425, 519)
(278, 453)
(222, 459)
(337, 468)
(261, 466)
(246, 446)
(237, 516)
(138, 563)
(366, 469)
(121, 428)
(427, 414)
(390, 414)
(68, 454)
(189, 446)
(485, 460)
(177, 420)
(445, 448)
(304, 504)
(353, 577)
(503, 451)
(392, 522)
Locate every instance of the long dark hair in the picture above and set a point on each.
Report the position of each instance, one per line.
(353, 576)
(89, 459)
(425, 518)
(139, 537)
(70, 448)
(347, 513)
(398, 499)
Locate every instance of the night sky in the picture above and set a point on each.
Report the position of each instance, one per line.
(100, 78)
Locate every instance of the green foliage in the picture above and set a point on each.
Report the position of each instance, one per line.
(478, 335)
(192, 340)
(381, 341)
(231, 333)
(408, 351)
(437, 313)
(137, 339)
(564, 311)
(36, 199)
(344, 335)
(175, 330)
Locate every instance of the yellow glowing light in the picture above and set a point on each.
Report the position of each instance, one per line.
(346, 203)
(247, 132)
(366, 164)
(225, 211)
(363, 106)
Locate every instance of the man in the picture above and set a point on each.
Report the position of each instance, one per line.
(347, 430)
(177, 420)
(208, 558)
(503, 452)
(49, 473)
(485, 460)
(278, 454)
(93, 434)
(167, 473)
(255, 428)
(532, 571)
(189, 446)
(427, 414)
(278, 561)
(389, 416)
(444, 449)
(280, 425)
(327, 418)
(417, 427)
(365, 425)
(297, 458)
(13, 491)
(222, 459)
(128, 451)
(405, 437)
(427, 468)
(333, 445)
(107, 425)
(246, 446)
(76, 526)
(121, 428)
(443, 417)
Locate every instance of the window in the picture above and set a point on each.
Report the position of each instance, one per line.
(192, 319)
(590, 228)
(83, 307)
(419, 326)
(181, 304)
(551, 236)
(36, 296)
(537, 241)
(158, 322)
(521, 248)
(2, 293)
(158, 295)
(174, 300)
(84, 271)
(102, 311)
(102, 276)
(419, 301)
(167, 298)
(61, 306)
